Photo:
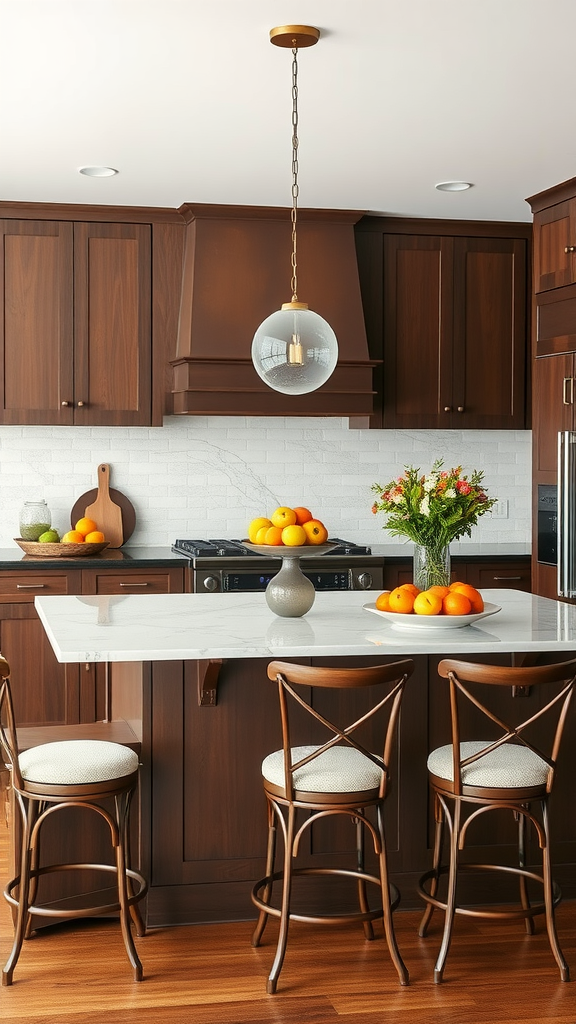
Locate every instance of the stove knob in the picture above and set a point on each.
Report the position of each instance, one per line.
(211, 583)
(365, 580)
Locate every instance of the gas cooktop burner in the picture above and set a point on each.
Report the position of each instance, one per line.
(235, 548)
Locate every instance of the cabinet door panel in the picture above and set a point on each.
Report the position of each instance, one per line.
(417, 330)
(553, 234)
(112, 323)
(554, 391)
(489, 332)
(37, 327)
(45, 692)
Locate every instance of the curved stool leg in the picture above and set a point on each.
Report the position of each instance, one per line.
(286, 894)
(123, 813)
(436, 863)
(28, 817)
(524, 897)
(549, 901)
(387, 908)
(267, 894)
(123, 893)
(362, 896)
(451, 896)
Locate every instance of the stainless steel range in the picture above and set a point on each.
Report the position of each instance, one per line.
(227, 565)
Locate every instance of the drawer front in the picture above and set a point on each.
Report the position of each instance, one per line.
(133, 582)
(517, 577)
(26, 586)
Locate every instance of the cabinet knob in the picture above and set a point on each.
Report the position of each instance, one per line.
(80, 405)
(460, 408)
(65, 404)
(570, 248)
(447, 408)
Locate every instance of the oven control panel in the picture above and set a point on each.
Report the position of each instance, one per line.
(242, 581)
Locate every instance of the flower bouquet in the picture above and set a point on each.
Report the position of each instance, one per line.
(432, 511)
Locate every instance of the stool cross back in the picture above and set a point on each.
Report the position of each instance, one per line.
(337, 777)
(512, 769)
(88, 774)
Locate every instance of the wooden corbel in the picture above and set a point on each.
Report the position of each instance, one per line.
(208, 672)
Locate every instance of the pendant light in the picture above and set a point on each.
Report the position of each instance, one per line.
(294, 350)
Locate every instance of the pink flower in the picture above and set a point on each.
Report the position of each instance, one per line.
(463, 487)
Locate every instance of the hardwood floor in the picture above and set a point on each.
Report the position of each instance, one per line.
(79, 974)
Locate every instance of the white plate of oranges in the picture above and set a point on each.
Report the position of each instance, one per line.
(407, 607)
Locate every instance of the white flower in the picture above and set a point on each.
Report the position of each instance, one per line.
(425, 506)
(430, 482)
(398, 499)
(450, 493)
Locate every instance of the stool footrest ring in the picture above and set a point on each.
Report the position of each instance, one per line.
(357, 915)
(513, 912)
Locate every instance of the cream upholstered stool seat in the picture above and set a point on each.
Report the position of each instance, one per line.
(305, 784)
(76, 762)
(96, 775)
(512, 769)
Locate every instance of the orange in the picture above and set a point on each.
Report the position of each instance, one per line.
(383, 601)
(273, 535)
(302, 514)
(293, 535)
(95, 537)
(473, 595)
(73, 537)
(85, 526)
(411, 587)
(260, 535)
(401, 600)
(437, 589)
(427, 603)
(456, 604)
(458, 583)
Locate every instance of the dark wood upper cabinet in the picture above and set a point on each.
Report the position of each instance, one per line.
(555, 269)
(76, 333)
(446, 309)
(555, 246)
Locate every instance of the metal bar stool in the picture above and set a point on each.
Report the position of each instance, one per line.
(513, 770)
(337, 777)
(53, 776)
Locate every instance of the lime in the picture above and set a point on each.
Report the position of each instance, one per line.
(49, 537)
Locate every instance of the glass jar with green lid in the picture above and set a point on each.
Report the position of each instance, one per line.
(35, 519)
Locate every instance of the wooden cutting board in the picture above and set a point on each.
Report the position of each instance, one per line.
(128, 511)
(103, 509)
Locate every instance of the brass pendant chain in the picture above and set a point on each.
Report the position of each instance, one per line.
(294, 214)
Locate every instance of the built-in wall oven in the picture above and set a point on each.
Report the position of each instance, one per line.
(227, 566)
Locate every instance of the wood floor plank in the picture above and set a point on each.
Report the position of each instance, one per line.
(210, 974)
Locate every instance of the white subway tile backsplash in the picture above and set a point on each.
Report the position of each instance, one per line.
(211, 475)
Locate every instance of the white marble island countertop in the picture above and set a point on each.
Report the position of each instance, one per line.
(174, 627)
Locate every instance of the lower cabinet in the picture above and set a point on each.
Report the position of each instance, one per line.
(204, 841)
(45, 691)
(509, 572)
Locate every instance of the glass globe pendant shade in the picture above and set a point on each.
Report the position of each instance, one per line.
(294, 350)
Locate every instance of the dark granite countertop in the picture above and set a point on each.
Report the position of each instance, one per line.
(144, 557)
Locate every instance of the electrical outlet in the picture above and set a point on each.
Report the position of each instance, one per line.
(500, 509)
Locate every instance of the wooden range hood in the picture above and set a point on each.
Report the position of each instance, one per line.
(236, 273)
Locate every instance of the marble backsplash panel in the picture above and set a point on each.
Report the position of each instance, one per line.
(209, 476)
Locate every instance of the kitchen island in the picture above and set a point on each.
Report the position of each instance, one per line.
(189, 674)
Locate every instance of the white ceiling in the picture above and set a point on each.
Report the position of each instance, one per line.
(191, 102)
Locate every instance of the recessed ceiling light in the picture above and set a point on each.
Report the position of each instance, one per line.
(98, 172)
(454, 186)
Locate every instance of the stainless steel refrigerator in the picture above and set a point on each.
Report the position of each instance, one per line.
(567, 513)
